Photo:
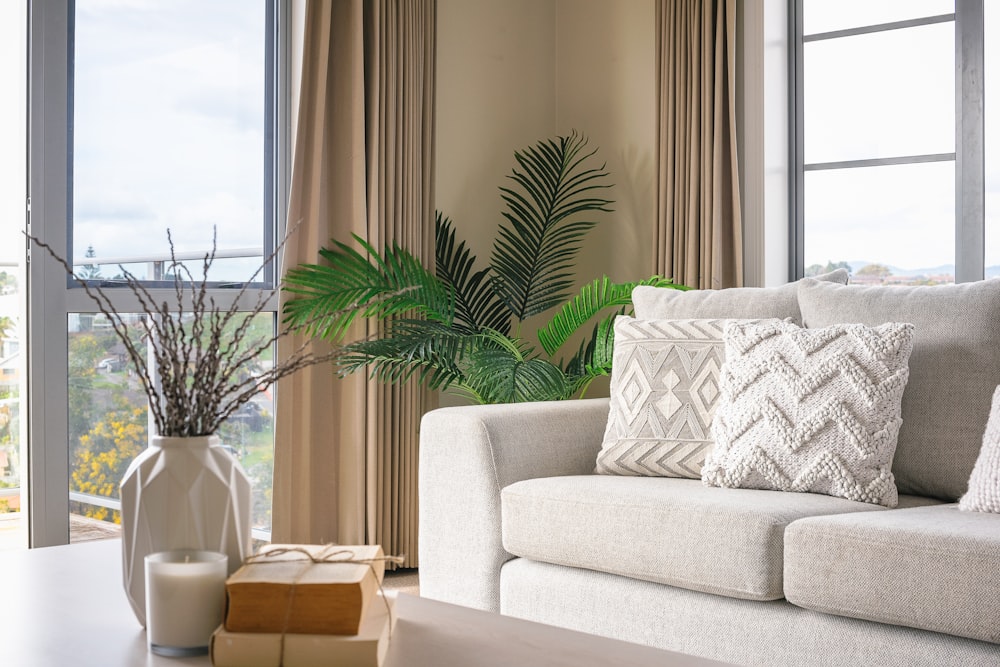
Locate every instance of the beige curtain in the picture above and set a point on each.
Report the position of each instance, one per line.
(699, 232)
(346, 449)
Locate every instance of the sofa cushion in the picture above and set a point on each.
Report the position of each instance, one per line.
(932, 568)
(667, 530)
(984, 484)
(664, 389)
(660, 303)
(954, 369)
(814, 410)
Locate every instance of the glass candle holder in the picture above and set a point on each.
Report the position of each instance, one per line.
(185, 600)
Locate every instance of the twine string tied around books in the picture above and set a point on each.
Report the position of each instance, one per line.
(328, 554)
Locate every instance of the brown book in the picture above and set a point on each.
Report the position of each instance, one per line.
(268, 649)
(282, 590)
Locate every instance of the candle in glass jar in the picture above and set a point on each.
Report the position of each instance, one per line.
(185, 600)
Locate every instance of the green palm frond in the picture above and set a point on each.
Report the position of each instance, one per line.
(500, 372)
(329, 297)
(591, 300)
(534, 252)
(431, 350)
(594, 357)
(476, 304)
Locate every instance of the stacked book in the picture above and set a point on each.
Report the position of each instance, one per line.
(303, 605)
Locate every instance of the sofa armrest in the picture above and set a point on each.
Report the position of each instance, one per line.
(467, 455)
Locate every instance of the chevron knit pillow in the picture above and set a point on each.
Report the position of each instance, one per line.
(664, 387)
(984, 484)
(815, 410)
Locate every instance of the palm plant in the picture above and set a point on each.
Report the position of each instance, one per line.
(459, 326)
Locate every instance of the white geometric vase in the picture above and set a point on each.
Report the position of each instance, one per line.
(182, 493)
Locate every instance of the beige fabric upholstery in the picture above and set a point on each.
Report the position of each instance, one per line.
(467, 454)
(933, 568)
(664, 389)
(668, 530)
(741, 632)
(954, 369)
(658, 303)
(984, 484)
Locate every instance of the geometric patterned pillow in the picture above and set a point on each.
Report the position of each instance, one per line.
(984, 484)
(664, 387)
(811, 410)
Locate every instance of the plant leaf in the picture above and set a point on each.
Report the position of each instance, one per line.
(534, 251)
(499, 372)
(591, 300)
(328, 297)
(476, 305)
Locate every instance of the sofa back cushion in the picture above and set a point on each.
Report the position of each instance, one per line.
(659, 303)
(954, 368)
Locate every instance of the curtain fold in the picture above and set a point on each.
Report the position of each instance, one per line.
(699, 231)
(346, 449)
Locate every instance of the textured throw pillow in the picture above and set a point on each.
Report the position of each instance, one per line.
(954, 369)
(660, 303)
(984, 484)
(664, 387)
(814, 410)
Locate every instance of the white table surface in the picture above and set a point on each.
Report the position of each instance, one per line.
(65, 606)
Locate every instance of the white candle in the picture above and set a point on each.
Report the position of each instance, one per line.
(185, 600)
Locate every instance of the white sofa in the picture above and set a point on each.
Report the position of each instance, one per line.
(513, 518)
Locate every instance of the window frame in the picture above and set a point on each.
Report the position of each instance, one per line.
(50, 297)
(969, 155)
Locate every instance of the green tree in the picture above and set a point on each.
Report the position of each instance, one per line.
(90, 271)
(104, 453)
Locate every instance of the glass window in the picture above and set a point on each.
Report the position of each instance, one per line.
(876, 165)
(109, 423)
(169, 131)
(826, 16)
(13, 83)
(891, 224)
(991, 12)
(883, 94)
(146, 116)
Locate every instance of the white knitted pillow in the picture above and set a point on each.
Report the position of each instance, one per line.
(664, 387)
(814, 410)
(984, 483)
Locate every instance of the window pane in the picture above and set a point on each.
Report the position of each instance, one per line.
(886, 94)
(991, 110)
(109, 423)
(168, 130)
(13, 469)
(827, 15)
(900, 218)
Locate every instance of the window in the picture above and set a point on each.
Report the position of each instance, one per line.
(888, 140)
(13, 124)
(165, 114)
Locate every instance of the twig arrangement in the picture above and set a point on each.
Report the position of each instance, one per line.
(195, 379)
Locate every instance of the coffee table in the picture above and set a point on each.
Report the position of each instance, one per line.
(65, 606)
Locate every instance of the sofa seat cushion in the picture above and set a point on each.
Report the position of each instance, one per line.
(932, 568)
(668, 530)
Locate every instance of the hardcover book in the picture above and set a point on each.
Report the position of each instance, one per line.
(267, 649)
(304, 589)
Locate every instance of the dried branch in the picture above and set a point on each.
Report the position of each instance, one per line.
(201, 353)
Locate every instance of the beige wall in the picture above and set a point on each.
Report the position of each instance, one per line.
(512, 72)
